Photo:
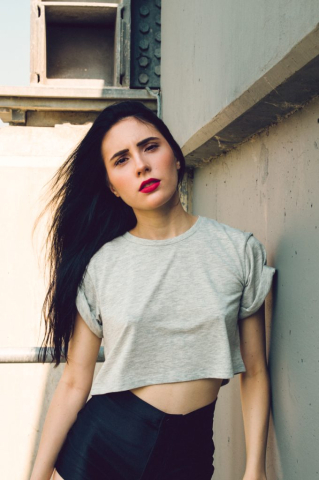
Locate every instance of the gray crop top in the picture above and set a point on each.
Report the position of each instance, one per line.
(168, 309)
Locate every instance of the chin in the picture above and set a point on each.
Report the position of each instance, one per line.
(162, 202)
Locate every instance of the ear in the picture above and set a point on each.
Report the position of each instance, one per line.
(110, 186)
(178, 164)
(114, 191)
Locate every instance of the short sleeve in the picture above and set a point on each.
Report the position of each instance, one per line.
(258, 277)
(87, 305)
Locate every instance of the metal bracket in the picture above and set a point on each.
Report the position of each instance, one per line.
(13, 116)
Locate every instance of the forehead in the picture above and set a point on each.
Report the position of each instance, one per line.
(126, 131)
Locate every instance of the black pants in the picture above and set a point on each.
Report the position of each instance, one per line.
(118, 436)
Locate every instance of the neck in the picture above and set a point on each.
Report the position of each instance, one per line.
(159, 225)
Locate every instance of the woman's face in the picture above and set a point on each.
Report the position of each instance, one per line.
(134, 152)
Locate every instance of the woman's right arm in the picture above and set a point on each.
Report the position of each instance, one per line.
(69, 397)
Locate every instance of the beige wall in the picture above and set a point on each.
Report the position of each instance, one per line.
(29, 157)
(270, 186)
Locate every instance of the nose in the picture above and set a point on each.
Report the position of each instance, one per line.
(141, 164)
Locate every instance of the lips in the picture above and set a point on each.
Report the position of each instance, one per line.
(148, 182)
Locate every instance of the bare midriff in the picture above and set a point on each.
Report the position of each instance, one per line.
(180, 397)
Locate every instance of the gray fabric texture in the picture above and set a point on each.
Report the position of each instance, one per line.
(168, 310)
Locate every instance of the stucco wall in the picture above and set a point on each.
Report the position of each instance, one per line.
(213, 51)
(270, 186)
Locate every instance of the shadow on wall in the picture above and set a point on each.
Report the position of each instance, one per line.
(293, 358)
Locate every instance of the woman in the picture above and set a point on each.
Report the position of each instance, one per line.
(165, 289)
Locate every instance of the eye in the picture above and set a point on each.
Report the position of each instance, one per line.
(119, 162)
(151, 147)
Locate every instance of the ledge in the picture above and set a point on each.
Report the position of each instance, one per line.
(26, 105)
(284, 89)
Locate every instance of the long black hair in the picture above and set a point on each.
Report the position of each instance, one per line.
(85, 215)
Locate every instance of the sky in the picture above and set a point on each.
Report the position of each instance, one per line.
(14, 43)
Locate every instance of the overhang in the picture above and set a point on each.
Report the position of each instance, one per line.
(44, 106)
(282, 90)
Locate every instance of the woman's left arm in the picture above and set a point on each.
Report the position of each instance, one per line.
(255, 393)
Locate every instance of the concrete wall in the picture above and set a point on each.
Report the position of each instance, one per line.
(28, 159)
(213, 51)
(270, 186)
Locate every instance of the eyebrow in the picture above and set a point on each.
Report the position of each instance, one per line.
(139, 144)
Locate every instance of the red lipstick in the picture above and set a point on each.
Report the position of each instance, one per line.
(146, 187)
